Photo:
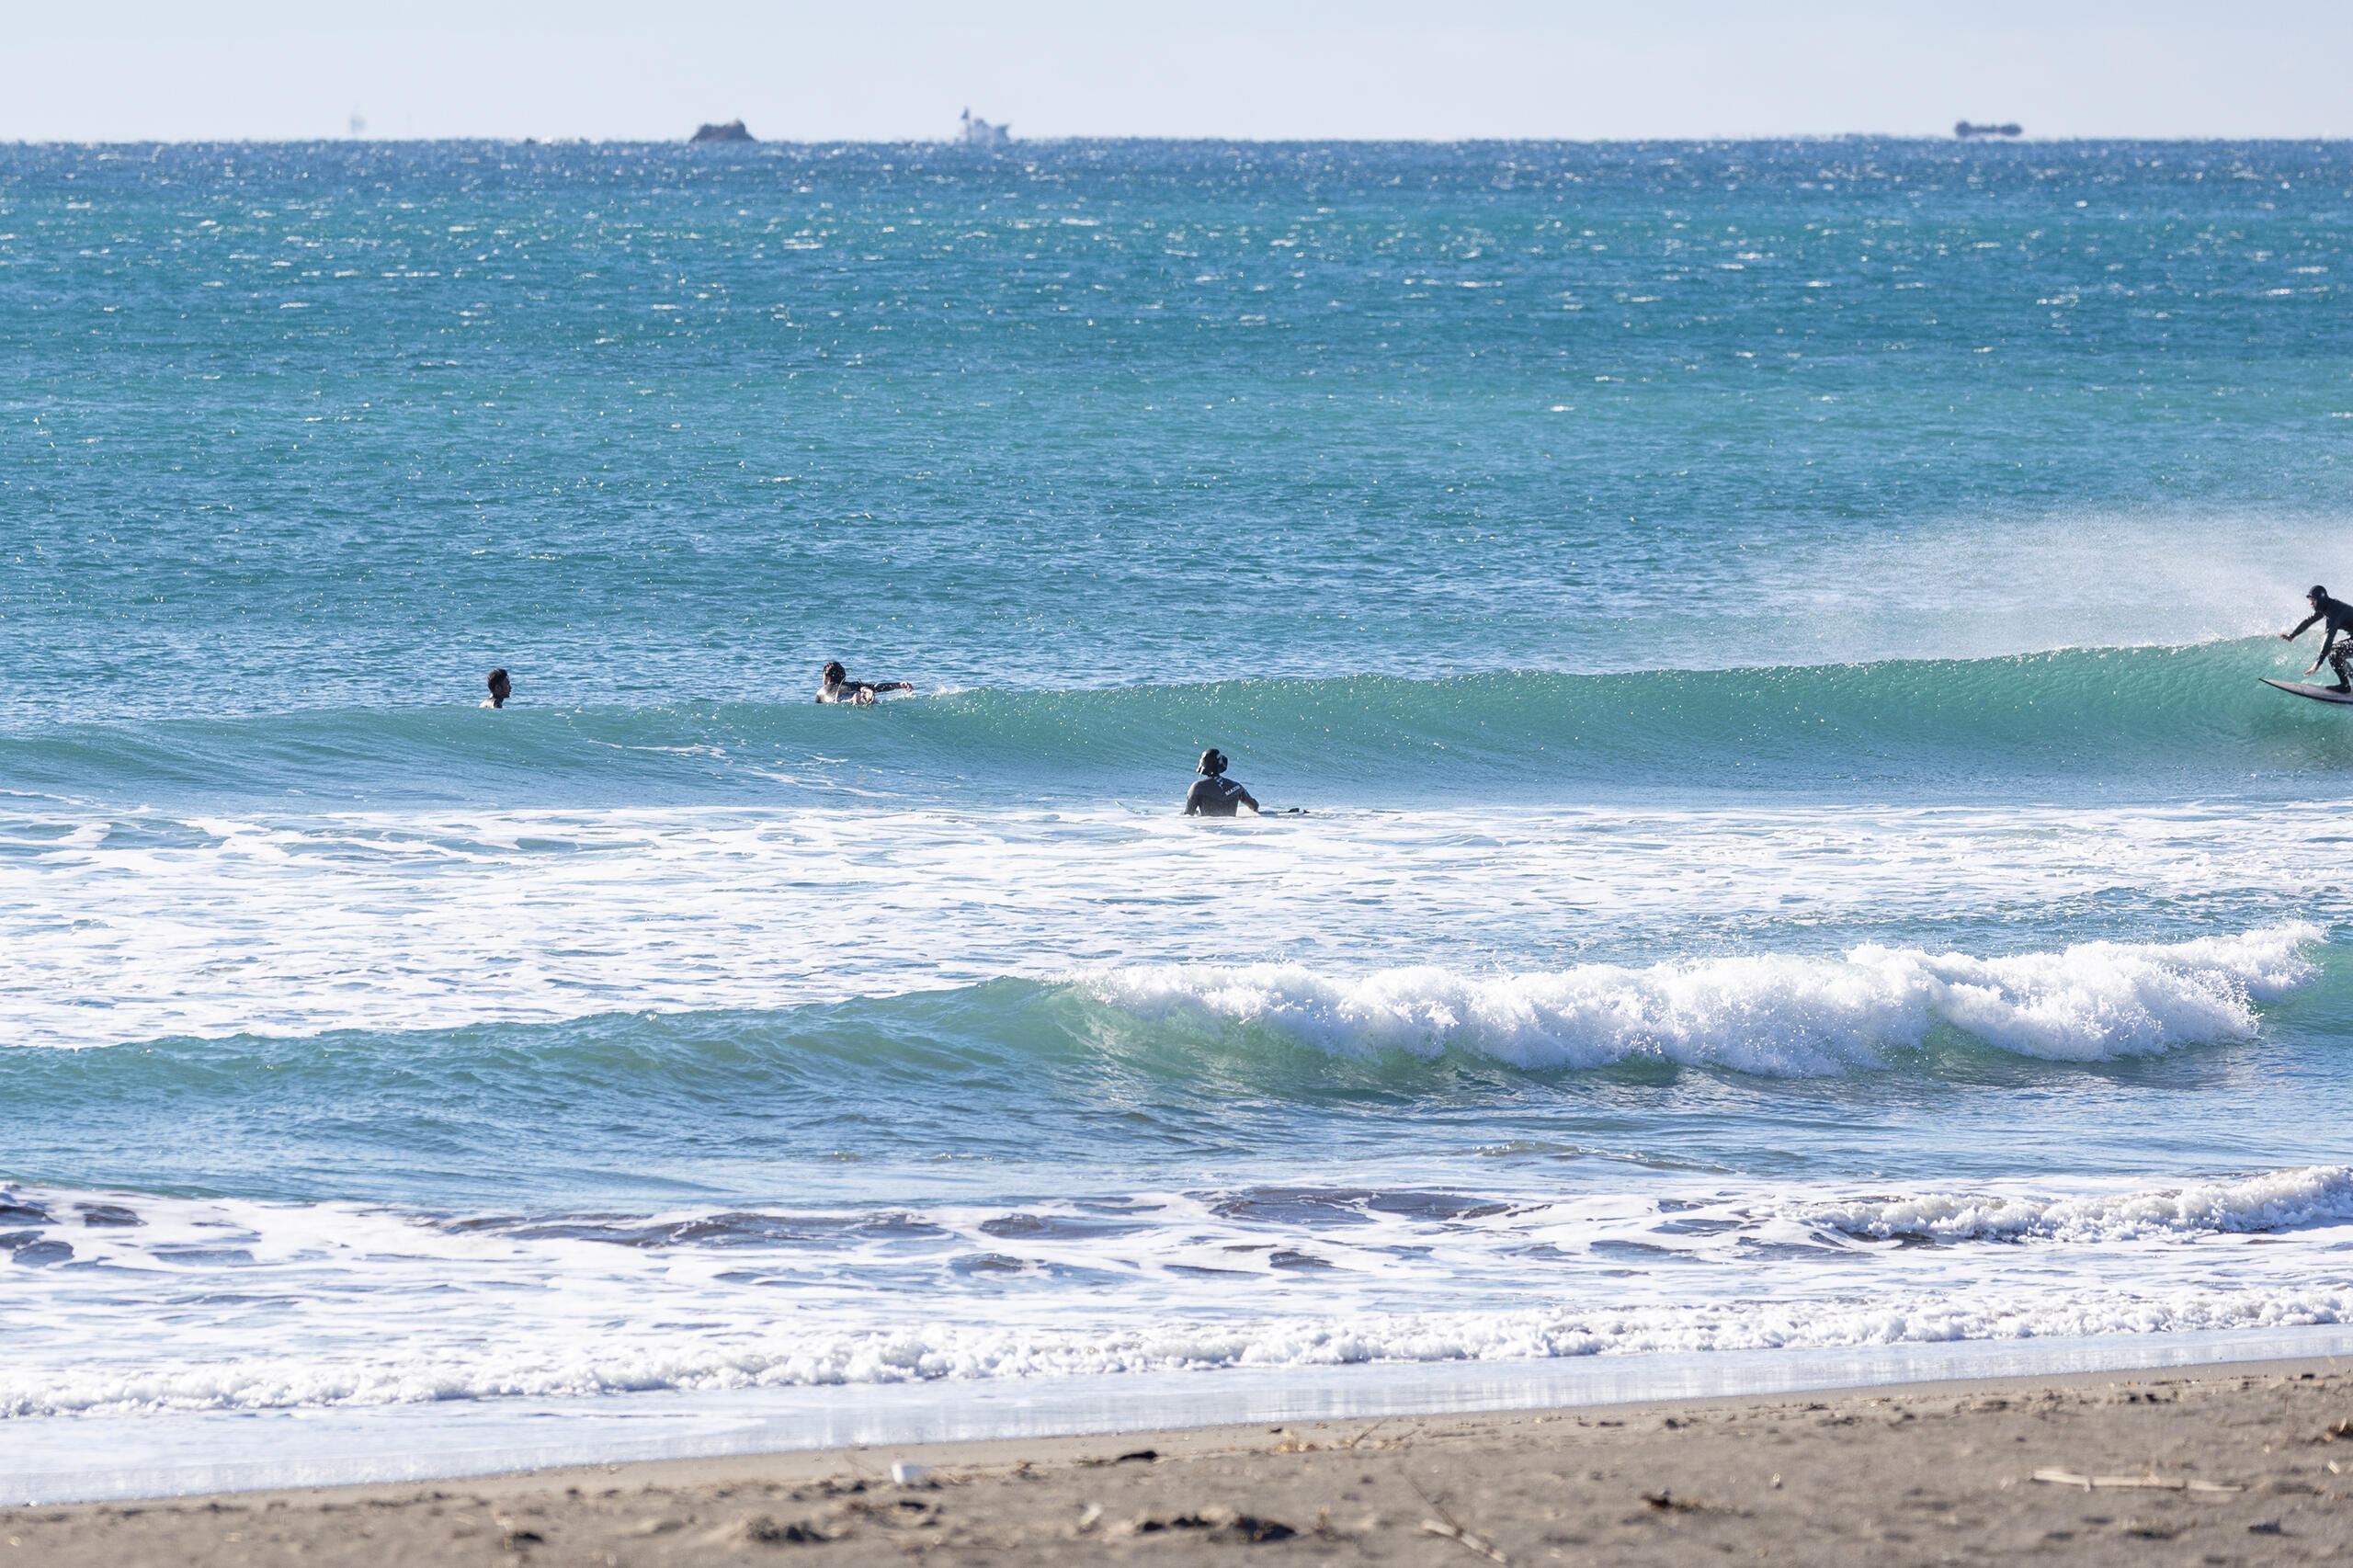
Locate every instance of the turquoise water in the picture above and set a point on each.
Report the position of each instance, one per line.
(1768, 636)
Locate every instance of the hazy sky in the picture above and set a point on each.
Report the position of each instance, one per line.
(899, 69)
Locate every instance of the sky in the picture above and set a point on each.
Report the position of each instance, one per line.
(901, 70)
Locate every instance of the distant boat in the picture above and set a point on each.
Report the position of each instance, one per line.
(981, 133)
(732, 131)
(1963, 130)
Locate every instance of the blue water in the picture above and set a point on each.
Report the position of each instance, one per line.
(1768, 636)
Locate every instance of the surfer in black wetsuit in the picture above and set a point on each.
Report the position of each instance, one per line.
(1214, 794)
(2336, 638)
(838, 687)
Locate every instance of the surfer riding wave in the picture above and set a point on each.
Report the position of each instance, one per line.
(2336, 638)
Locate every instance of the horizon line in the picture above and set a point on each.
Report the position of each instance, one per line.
(959, 144)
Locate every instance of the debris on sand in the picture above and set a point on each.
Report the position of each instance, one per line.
(2139, 1483)
(1219, 1524)
(1455, 1532)
(759, 1529)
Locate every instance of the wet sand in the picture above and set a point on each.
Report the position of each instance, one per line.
(2250, 1463)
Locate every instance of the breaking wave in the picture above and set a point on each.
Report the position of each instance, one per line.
(1768, 1014)
(2277, 1200)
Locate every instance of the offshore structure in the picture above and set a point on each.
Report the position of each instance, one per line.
(1963, 130)
(981, 133)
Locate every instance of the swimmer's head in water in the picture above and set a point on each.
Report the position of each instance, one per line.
(1213, 763)
(834, 673)
(500, 686)
(2317, 594)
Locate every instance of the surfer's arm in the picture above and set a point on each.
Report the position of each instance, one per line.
(2302, 627)
(1246, 798)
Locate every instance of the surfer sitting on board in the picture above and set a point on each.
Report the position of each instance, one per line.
(1214, 794)
(2336, 639)
(838, 687)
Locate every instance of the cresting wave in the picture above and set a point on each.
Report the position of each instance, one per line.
(2277, 1200)
(1785, 1016)
(2165, 717)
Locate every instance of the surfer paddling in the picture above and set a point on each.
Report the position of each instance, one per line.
(836, 686)
(2336, 638)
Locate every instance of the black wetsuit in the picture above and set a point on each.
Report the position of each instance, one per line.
(2336, 638)
(1215, 795)
(856, 691)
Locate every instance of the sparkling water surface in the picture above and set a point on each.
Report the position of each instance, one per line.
(1767, 636)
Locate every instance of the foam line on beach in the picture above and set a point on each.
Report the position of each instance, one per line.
(178, 1454)
(789, 1357)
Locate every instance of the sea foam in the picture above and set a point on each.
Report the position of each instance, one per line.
(2276, 1200)
(403, 1307)
(947, 1350)
(1770, 1014)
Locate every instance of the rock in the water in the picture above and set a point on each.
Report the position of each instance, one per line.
(732, 131)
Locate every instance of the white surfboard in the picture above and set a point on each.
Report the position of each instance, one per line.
(2318, 693)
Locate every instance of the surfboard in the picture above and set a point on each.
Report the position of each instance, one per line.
(2318, 693)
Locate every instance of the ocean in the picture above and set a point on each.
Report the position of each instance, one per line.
(1766, 637)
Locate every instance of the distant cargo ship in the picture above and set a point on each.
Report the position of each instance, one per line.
(1963, 130)
(979, 132)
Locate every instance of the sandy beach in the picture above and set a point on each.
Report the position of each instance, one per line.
(2247, 1464)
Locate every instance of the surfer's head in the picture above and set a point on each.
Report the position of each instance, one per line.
(1213, 763)
(834, 673)
(501, 688)
(2317, 594)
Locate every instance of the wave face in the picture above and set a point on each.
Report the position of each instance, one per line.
(2100, 725)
